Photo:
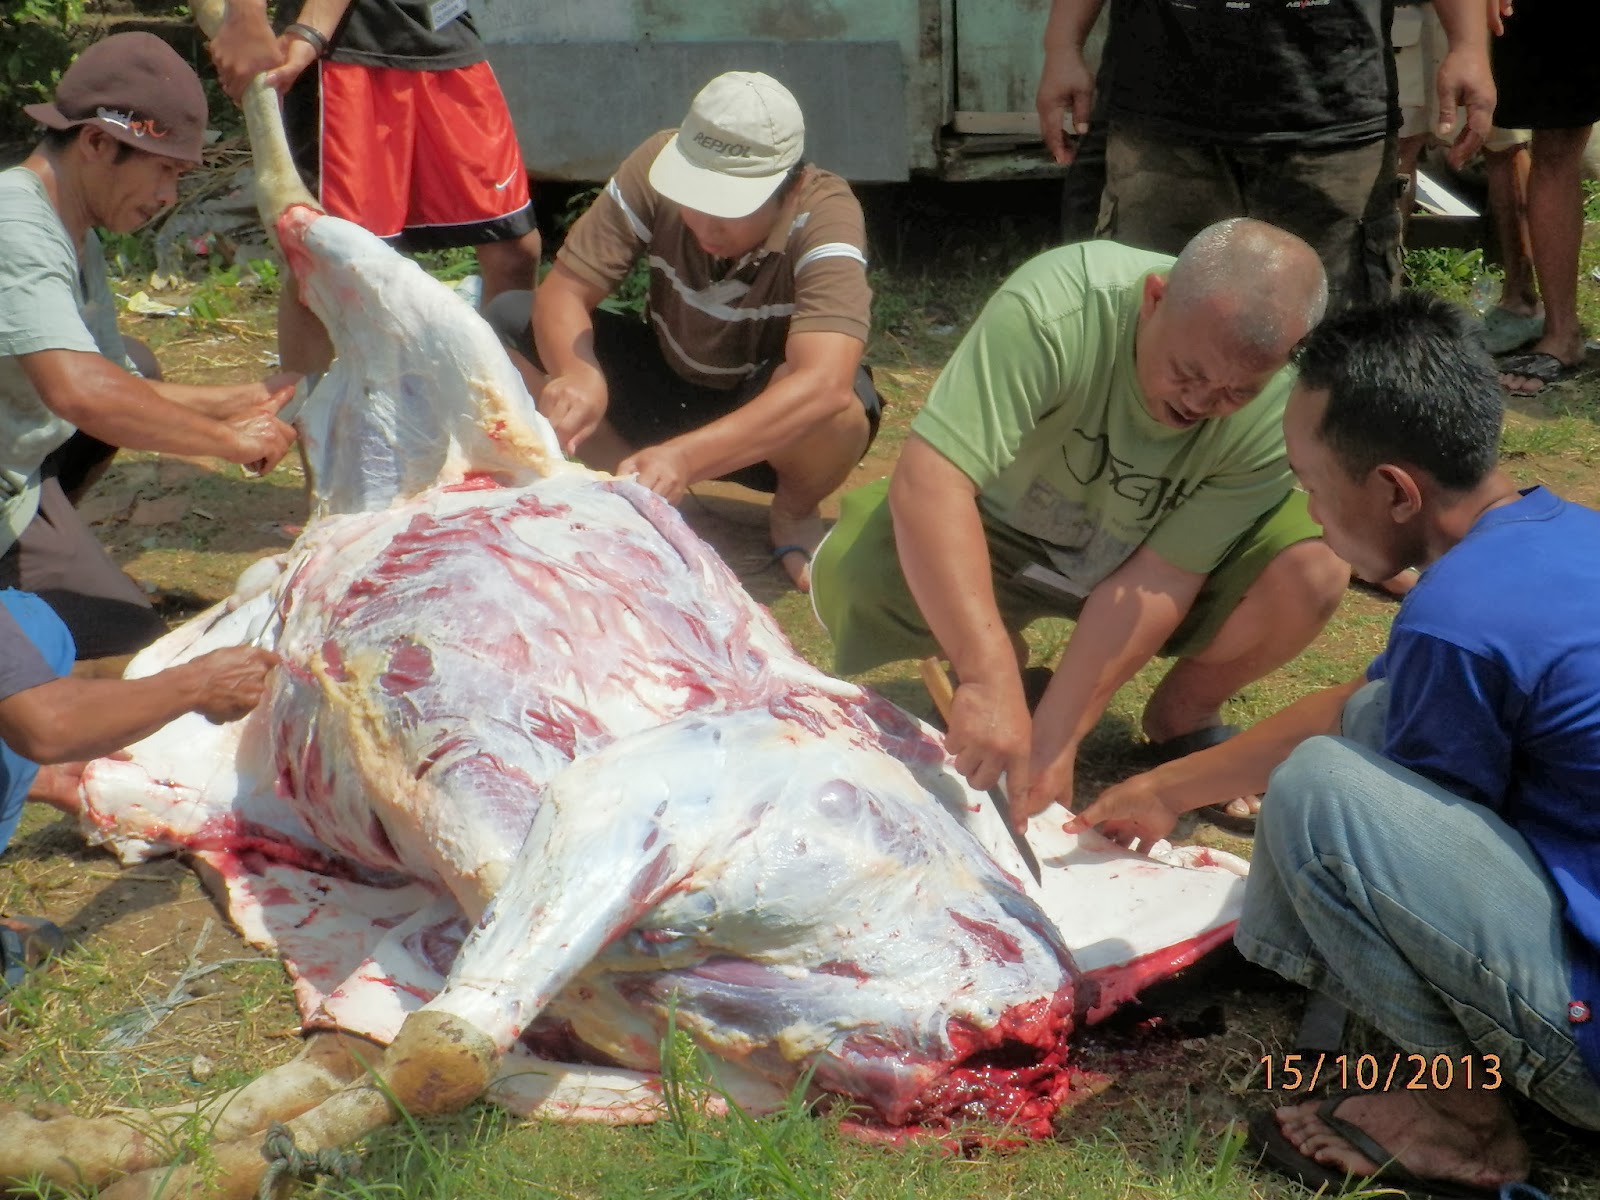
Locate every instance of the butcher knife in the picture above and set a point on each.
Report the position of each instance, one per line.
(287, 414)
(938, 685)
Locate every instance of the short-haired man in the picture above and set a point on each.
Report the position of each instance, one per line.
(1109, 426)
(750, 366)
(1429, 849)
(48, 717)
(127, 120)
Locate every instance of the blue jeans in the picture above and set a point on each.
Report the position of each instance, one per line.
(45, 630)
(1426, 915)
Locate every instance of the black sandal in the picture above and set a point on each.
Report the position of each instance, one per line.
(25, 944)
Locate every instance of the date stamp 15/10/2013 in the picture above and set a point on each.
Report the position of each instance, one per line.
(1381, 1072)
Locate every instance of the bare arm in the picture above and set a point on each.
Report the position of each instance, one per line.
(945, 559)
(227, 400)
(1147, 806)
(323, 16)
(245, 46)
(1065, 83)
(815, 384)
(1464, 79)
(1124, 622)
(68, 719)
(106, 402)
(574, 398)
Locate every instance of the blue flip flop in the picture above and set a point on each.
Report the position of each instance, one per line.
(1505, 331)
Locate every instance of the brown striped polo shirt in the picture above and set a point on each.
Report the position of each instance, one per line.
(718, 319)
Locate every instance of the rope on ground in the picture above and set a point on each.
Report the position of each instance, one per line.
(284, 1158)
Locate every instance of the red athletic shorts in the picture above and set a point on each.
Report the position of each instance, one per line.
(430, 155)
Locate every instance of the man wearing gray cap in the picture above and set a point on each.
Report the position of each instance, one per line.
(127, 120)
(749, 368)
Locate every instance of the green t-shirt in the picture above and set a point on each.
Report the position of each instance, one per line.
(51, 298)
(1040, 407)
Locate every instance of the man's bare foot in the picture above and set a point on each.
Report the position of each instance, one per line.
(1242, 807)
(58, 786)
(1543, 363)
(1401, 583)
(1463, 1137)
(797, 538)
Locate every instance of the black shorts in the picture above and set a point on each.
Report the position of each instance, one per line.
(1544, 66)
(649, 402)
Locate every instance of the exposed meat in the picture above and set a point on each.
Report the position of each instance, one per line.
(538, 773)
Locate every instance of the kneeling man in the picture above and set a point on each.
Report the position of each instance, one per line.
(749, 368)
(1429, 851)
(1104, 444)
(128, 119)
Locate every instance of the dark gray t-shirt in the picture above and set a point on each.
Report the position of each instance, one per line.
(414, 35)
(1296, 73)
(21, 665)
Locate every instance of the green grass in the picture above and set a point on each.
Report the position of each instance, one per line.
(1453, 273)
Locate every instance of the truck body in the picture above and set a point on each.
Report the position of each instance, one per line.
(889, 88)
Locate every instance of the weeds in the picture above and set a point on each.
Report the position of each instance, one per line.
(1449, 272)
(449, 266)
(39, 39)
(737, 1157)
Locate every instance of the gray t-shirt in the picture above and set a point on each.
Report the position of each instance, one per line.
(21, 665)
(52, 297)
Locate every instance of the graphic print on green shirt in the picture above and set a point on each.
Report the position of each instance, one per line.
(1040, 406)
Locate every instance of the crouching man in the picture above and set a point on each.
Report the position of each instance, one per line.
(1429, 848)
(127, 120)
(1106, 445)
(48, 717)
(749, 368)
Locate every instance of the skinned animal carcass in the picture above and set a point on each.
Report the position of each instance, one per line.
(536, 776)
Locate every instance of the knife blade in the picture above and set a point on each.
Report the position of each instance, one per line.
(938, 684)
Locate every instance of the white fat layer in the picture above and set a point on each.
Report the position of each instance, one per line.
(541, 715)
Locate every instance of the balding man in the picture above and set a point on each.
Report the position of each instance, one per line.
(1106, 445)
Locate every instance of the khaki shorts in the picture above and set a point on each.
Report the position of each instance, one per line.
(862, 599)
(1160, 192)
(1419, 47)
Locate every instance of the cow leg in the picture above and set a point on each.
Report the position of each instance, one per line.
(75, 1150)
(614, 834)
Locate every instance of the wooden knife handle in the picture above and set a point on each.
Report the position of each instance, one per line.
(937, 681)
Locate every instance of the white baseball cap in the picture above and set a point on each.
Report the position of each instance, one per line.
(743, 133)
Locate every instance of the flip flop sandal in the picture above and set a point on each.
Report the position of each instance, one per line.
(1505, 331)
(1192, 743)
(1544, 369)
(26, 943)
(1276, 1151)
(779, 552)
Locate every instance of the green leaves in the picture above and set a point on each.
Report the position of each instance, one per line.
(39, 38)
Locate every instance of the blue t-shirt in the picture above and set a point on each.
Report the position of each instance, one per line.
(1493, 666)
(22, 664)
